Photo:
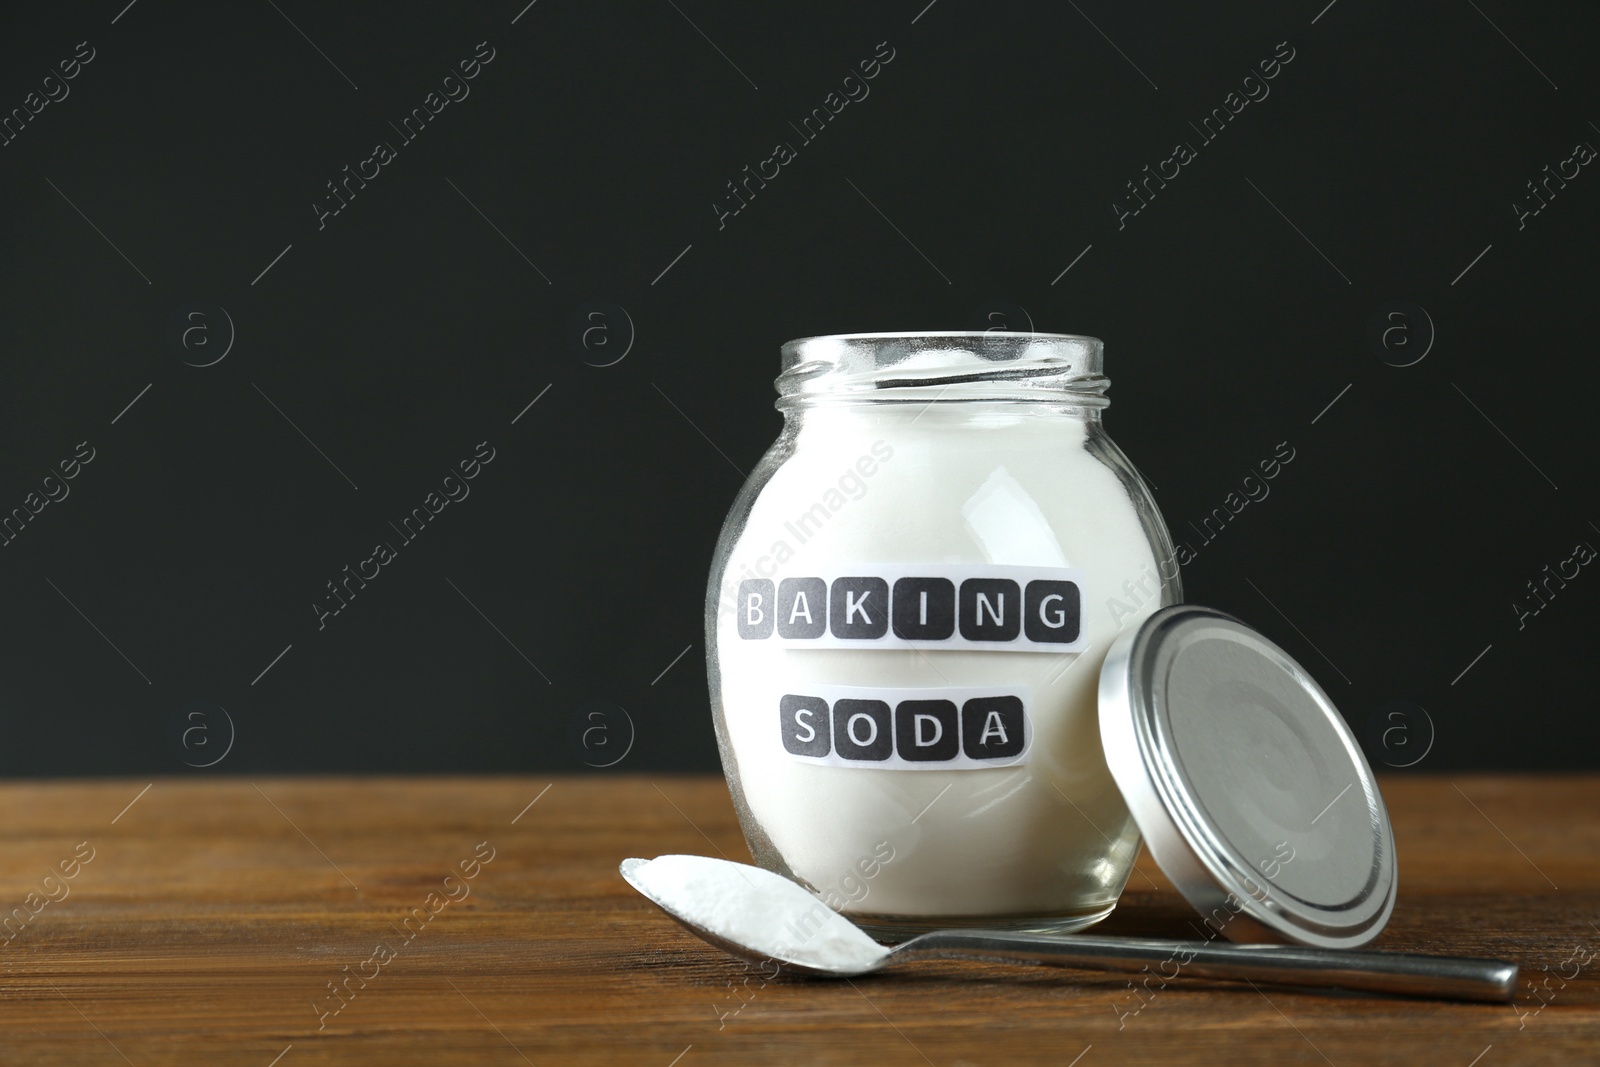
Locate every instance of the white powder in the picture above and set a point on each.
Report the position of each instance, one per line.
(765, 912)
(965, 483)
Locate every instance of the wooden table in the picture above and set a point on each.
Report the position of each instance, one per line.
(205, 922)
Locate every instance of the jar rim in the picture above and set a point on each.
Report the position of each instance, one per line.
(875, 335)
(964, 365)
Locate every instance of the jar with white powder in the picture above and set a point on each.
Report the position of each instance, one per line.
(907, 613)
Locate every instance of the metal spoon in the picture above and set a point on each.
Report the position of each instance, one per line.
(835, 947)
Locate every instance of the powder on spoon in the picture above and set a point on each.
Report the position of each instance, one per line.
(762, 911)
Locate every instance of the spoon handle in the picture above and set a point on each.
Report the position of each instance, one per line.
(1446, 977)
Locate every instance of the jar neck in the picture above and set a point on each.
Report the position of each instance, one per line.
(932, 371)
(830, 415)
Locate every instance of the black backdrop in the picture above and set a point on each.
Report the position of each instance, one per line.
(1347, 259)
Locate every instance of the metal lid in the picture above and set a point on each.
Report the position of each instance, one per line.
(1249, 788)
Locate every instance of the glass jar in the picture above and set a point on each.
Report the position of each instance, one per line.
(906, 617)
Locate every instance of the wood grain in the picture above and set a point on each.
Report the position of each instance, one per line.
(214, 913)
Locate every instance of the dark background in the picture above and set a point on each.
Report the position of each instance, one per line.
(580, 176)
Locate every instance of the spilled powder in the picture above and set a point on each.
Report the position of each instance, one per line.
(765, 912)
